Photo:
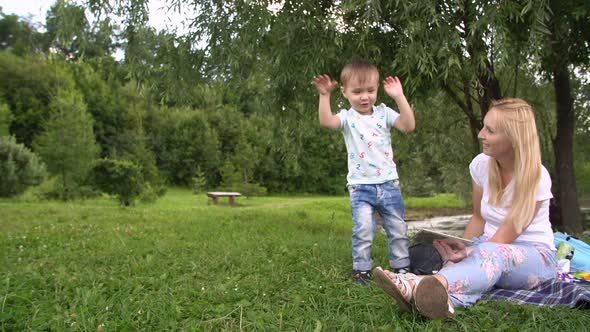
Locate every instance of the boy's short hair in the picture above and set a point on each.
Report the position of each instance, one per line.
(362, 70)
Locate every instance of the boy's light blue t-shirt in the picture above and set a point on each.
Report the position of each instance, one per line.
(368, 142)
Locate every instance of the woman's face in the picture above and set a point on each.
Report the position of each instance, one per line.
(495, 143)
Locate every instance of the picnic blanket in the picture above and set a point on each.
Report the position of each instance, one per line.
(555, 292)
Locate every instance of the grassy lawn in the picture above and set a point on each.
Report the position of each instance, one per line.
(268, 264)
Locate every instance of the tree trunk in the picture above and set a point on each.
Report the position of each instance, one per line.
(566, 196)
(467, 107)
(485, 76)
(491, 89)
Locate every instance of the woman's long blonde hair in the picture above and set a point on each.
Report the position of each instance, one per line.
(517, 121)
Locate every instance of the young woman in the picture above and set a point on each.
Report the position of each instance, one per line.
(513, 246)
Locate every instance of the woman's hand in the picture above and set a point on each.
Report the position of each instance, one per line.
(450, 250)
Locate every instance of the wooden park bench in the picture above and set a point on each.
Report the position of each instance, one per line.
(215, 194)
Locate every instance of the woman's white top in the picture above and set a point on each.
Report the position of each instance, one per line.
(539, 231)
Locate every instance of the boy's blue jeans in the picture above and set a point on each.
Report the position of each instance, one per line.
(386, 198)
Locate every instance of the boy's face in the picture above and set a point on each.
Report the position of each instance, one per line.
(362, 96)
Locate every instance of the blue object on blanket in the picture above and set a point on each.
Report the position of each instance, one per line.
(581, 258)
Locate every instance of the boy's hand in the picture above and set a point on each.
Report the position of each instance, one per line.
(324, 84)
(393, 87)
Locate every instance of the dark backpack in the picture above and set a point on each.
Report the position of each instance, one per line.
(424, 259)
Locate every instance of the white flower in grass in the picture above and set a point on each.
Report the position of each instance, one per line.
(203, 288)
(100, 328)
(139, 312)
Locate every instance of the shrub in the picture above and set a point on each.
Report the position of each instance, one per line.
(58, 191)
(118, 177)
(199, 182)
(19, 167)
(252, 189)
(148, 194)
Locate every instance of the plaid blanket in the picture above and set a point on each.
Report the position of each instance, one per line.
(555, 292)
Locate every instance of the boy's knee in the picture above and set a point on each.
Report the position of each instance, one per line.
(365, 229)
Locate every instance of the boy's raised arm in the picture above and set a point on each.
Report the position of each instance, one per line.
(393, 88)
(325, 86)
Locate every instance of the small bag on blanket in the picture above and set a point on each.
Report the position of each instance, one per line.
(425, 259)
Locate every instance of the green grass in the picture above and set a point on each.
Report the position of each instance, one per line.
(438, 201)
(268, 264)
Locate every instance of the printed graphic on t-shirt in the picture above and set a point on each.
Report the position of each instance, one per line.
(368, 141)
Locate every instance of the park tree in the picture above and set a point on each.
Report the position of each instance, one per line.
(167, 66)
(5, 119)
(132, 141)
(104, 96)
(67, 144)
(20, 168)
(565, 49)
(582, 137)
(183, 141)
(71, 34)
(18, 36)
(27, 86)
